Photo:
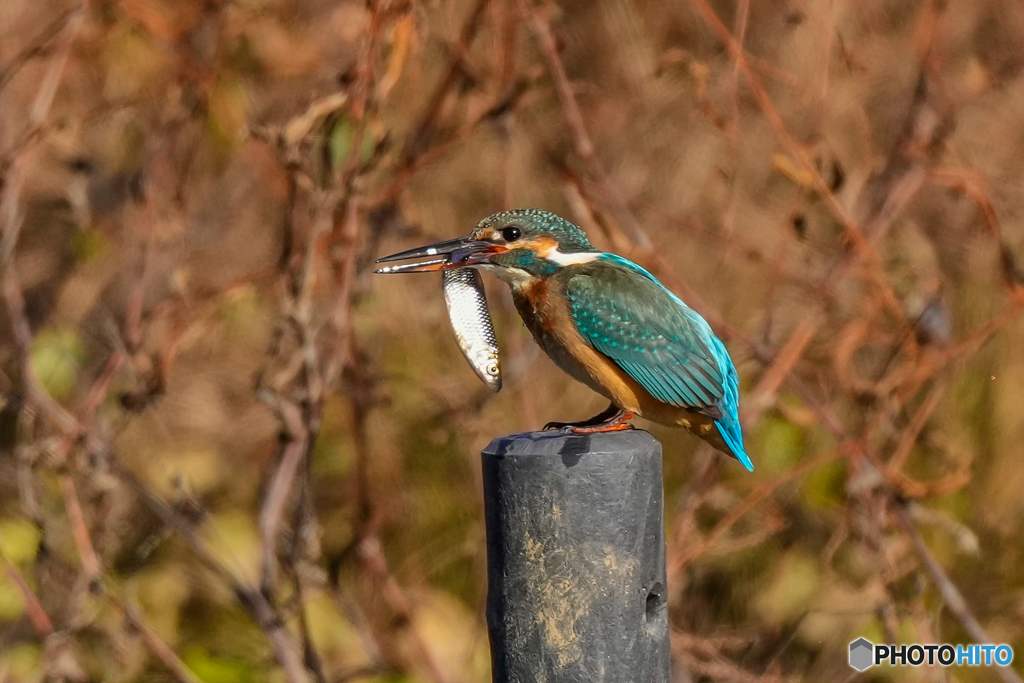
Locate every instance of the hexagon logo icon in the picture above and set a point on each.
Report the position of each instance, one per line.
(861, 654)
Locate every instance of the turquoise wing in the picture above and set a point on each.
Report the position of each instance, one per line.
(624, 313)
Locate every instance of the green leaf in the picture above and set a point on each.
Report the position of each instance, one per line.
(19, 540)
(825, 486)
(779, 445)
(341, 142)
(88, 244)
(342, 136)
(21, 662)
(12, 605)
(56, 357)
(790, 590)
(212, 669)
(228, 111)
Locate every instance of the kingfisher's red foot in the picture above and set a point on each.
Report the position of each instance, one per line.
(618, 426)
(612, 419)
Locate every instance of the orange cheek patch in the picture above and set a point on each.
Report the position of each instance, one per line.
(544, 246)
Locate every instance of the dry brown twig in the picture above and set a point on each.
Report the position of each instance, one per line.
(14, 165)
(951, 595)
(286, 651)
(78, 430)
(763, 491)
(853, 231)
(574, 117)
(427, 121)
(160, 649)
(40, 46)
(37, 615)
(323, 359)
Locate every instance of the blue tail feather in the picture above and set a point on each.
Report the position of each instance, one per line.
(729, 428)
(729, 424)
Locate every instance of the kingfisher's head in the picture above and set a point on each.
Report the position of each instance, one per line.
(517, 245)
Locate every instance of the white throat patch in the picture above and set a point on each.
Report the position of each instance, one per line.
(553, 254)
(513, 276)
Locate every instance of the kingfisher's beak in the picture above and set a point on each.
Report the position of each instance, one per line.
(456, 253)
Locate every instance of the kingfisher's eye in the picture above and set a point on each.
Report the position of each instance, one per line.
(511, 233)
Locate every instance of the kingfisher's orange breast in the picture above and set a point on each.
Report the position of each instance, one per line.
(546, 313)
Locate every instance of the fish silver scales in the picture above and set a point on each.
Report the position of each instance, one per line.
(471, 322)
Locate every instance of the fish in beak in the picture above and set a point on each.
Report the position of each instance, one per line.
(460, 252)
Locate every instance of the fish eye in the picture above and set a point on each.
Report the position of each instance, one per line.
(511, 233)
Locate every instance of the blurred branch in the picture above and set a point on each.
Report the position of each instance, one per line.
(52, 78)
(74, 433)
(286, 652)
(294, 450)
(422, 131)
(703, 657)
(37, 615)
(154, 642)
(33, 391)
(763, 394)
(422, 145)
(574, 117)
(326, 355)
(12, 163)
(80, 532)
(360, 673)
(951, 595)
(967, 183)
(439, 148)
(39, 46)
(796, 150)
(913, 430)
(679, 563)
(370, 553)
(341, 231)
(351, 611)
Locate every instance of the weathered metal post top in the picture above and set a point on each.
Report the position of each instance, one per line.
(576, 558)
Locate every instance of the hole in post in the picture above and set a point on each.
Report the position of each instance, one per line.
(655, 601)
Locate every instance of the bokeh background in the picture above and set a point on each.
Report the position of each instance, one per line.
(230, 453)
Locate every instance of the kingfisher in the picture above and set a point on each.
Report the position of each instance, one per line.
(606, 322)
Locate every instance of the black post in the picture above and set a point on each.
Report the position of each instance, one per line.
(576, 558)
